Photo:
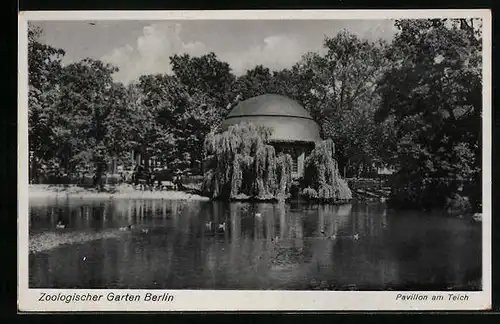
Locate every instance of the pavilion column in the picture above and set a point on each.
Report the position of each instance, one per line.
(300, 163)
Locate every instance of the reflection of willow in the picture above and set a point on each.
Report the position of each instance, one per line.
(287, 250)
(217, 213)
(259, 219)
(212, 255)
(247, 252)
(270, 222)
(235, 247)
(332, 219)
(235, 217)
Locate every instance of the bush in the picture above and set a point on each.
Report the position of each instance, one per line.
(457, 205)
(309, 193)
(409, 192)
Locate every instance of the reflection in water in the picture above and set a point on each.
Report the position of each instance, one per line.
(215, 245)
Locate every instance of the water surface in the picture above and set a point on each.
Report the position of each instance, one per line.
(264, 246)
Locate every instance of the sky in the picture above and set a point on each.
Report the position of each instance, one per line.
(144, 47)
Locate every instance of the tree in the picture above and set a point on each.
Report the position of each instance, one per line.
(255, 82)
(340, 91)
(93, 118)
(321, 175)
(44, 67)
(150, 135)
(242, 165)
(205, 75)
(433, 92)
(177, 120)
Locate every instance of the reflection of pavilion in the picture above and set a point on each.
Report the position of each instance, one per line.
(332, 219)
(270, 240)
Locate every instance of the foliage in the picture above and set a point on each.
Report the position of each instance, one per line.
(178, 121)
(205, 75)
(346, 97)
(457, 205)
(44, 64)
(433, 94)
(339, 89)
(414, 105)
(321, 176)
(309, 193)
(242, 165)
(255, 82)
(93, 115)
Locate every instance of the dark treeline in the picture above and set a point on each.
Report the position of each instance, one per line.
(413, 105)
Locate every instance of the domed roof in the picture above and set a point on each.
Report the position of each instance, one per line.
(288, 119)
(269, 105)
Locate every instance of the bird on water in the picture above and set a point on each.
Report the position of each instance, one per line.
(222, 227)
(127, 228)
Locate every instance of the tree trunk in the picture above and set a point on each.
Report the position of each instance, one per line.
(33, 169)
(98, 175)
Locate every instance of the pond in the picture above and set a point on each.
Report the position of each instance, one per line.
(214, 245)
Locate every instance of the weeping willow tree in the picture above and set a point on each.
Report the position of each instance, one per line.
(241, 164)
(321, 175)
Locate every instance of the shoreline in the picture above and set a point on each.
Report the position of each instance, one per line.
(122, 192)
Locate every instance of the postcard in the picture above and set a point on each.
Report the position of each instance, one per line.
(303, 160)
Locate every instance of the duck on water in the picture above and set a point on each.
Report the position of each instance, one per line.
(220, 228)
(334, 236)
(127, 228)
(131, 227)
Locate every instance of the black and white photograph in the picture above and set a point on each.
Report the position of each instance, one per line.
(266, 157)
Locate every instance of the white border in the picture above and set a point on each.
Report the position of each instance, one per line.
(224, 300)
